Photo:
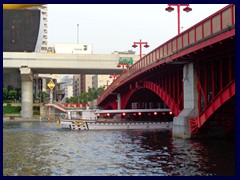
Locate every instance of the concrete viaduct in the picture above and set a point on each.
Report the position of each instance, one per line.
(28, 64)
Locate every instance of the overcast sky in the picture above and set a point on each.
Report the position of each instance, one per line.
(114, 27)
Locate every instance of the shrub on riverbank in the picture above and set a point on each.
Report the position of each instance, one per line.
(36, 110)
(9, 109)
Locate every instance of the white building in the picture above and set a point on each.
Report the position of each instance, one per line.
(67, 79)
(44, 10)
(68, 91)
(73, 48)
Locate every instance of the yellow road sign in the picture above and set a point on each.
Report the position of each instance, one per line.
(51, 84)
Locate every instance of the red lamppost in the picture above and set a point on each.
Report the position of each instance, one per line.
(140, 44)
(125, 61)
(170, 9)
(114, 76)
(122, 64)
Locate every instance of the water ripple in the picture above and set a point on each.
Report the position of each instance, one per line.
(41, 148)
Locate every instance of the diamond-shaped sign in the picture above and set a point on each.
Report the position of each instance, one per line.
(51, 84)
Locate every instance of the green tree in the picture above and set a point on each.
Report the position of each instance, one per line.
(43, 97)
(100, 91)
(84, 97)
(12, 94)
(91, 92)
(18, 93)
(5, 93)
(10, 87)
(67, 100)
(73, 99)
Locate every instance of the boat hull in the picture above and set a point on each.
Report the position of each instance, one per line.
(86, 125)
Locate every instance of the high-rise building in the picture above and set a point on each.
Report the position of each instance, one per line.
(81, 82)
(76, 84)
(18, 20)
(44, 11)
(101, 81)
(67, 81)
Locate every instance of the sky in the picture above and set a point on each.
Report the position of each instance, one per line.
(114, 27)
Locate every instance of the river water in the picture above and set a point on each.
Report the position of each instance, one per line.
(42, 148)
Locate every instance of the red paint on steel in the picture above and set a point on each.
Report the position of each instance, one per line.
(139, 68)
(157, 90)
(227, 93)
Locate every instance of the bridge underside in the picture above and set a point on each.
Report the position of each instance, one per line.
(221, 123)
(163, 85)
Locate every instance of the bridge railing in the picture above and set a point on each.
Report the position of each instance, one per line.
(217, 22)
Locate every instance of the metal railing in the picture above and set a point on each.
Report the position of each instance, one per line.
(218, 22)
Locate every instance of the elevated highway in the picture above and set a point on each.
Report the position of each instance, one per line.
(26, 65)
(51, 63)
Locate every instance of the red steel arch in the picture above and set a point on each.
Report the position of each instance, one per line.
(227, 93)
(159, 91)
(112, 105)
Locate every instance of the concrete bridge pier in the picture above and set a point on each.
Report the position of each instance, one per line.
(181, 125)
(118, 101)
(27, 93)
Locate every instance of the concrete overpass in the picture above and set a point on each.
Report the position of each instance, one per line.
(50, 63)
(28, 64)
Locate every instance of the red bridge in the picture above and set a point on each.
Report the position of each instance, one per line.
(193, 74)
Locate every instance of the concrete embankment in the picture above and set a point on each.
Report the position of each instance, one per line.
(16, 117)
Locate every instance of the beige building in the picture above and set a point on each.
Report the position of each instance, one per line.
(81, 82)
(101, 81)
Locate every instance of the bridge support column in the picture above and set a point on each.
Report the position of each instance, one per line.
(181, 125)
(27, 93)
(119, 101)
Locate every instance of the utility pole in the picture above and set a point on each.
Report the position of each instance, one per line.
(77, 32)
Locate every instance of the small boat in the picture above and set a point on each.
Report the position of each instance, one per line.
(87, 121)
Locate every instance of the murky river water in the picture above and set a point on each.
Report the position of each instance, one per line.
(42, 148)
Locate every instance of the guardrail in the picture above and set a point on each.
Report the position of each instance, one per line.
(220, 21)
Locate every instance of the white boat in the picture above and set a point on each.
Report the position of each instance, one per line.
(87, 120)
(94, 125)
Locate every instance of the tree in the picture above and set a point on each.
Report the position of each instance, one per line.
(43, 97)
(12, 94)
(84, 97)
(5, 93)
(67, 100)
(19, 93)
(91, 92)
(10, 87)
(100, 91)
(72, 99)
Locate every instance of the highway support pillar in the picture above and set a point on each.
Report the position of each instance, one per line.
(119, 101)
(27, 93)
(181, 123)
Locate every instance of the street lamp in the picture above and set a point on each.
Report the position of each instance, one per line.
(140, 44)
(114, 76)
(125, 61)
(170, 9)
(123, 64)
